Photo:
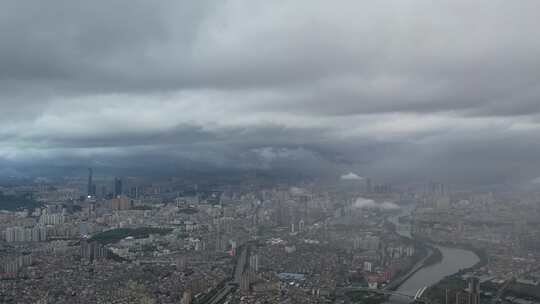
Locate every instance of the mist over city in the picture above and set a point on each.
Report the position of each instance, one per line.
(246, 152)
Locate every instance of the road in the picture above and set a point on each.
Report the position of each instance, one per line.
(240, 265)
(232, 284)
(416, 298)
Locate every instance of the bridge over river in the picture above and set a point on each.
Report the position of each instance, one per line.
(416, 297)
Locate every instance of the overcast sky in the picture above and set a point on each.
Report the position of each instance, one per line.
(398, 90)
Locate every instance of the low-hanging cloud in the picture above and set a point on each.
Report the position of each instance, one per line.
(365, 203)
(351, 176)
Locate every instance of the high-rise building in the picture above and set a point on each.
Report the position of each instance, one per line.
(368, 266)
(254, 262)
(462, 297)
(473, 287)
(280, 213)
(103, 191)
(233, 248)
(121, 203)
(117, 187)
(437, 189)
(244, 281)
(92, 250)
(368, 185)
(134, 192)
(187, 297)
(52, 219)
(90, 184)
(471, 295)
(11, 267)
(21, 234)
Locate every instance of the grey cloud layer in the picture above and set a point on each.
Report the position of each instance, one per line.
(394, 89)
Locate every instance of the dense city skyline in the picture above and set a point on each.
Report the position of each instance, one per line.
(397, 90)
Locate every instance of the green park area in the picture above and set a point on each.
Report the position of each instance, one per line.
(363, 297)
(115, 235)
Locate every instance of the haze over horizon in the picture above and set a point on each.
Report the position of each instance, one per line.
(396, 90)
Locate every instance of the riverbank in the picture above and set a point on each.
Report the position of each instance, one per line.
(430, 255)
(396, 283)
(450, 261)
(479, 252)
(437, 293)
(445, 261)
(436, 256)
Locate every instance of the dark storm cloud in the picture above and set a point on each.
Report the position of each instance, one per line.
(392, 89)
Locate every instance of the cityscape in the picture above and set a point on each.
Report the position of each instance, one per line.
(346, 240)
(269, 152)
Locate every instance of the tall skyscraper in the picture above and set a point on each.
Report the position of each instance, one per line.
(187, 297)
(90, 187)
(117, 187)
(473, 286)
(134, 192)
(471, 295)
(368, 185)
(103, 191)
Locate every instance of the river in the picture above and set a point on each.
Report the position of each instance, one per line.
(453, 259)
